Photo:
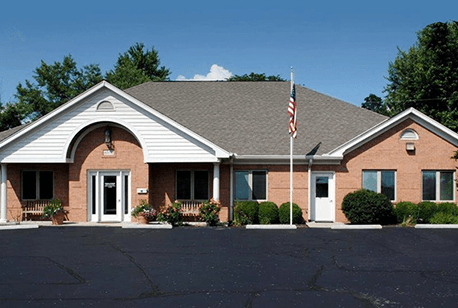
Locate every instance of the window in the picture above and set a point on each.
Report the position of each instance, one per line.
(37, 185)
(381, 182)
(251, 185)
(438, 185)
(192, 185)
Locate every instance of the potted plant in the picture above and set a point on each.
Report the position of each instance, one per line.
(55, 211)
(144, 213)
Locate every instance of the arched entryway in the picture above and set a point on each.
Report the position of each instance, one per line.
(108, 175)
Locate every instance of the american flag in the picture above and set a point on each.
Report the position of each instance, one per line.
(292, 111)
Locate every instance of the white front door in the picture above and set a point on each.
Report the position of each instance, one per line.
(323, 196)
(108, 196)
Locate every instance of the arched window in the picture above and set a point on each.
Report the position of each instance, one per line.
(409, 134)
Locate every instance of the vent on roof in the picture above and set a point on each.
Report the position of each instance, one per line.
(409, 134)
(105, 106)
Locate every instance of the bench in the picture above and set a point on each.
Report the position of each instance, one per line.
(33, 207)
(190, 207)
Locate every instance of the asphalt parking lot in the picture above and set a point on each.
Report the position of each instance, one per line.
(228, 267)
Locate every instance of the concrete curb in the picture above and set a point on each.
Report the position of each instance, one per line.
(323, 225)
(147, 226)
(18, 226)
(271, 227)
(433, 226)
(357, 227)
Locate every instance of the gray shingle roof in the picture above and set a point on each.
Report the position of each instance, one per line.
(249, 118)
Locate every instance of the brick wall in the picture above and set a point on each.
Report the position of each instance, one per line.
(388, 152)
(14, 194)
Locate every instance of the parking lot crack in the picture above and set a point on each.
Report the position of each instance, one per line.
(70, 271)
(155, 290)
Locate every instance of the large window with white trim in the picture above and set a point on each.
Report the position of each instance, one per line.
(438, 185)
(381, 181)
(251, 185)
(192, 185)
(37, 185)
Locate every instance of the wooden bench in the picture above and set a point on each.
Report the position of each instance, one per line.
(33, 207)
(190, 207)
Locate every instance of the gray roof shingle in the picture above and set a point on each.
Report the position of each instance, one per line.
(249, 118)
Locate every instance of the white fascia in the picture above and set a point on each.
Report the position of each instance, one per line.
(53, 113)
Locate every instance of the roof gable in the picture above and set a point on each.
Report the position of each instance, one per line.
(49, 138)
(379, 129)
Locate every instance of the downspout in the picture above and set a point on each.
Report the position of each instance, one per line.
(309, 173)
(231, 188)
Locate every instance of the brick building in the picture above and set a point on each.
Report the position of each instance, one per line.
(107, 149)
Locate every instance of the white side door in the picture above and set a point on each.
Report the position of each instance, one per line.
(323, 197)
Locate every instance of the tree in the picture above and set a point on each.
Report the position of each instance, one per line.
(10, 116)
(56, 84)
(426, 76)
(137, 66)
(376, 104)
(255, 77)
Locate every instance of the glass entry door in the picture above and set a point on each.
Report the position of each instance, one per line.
(108, 194)
(110, 197)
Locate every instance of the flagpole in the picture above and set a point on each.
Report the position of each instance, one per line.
(291, 169)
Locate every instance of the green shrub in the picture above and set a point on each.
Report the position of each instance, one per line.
(404, 210)
(444, 218)
(284, 214)
(425, 210)
(209, 212)
(172, 214)
(368, 207)
(448, 208)
(268, 213)
(246, 212)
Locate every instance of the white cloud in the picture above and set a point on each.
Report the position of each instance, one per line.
(216, 73)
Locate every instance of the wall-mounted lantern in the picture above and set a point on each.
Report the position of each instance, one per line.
(108, 138)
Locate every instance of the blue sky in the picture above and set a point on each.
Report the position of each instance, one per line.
(341, 48)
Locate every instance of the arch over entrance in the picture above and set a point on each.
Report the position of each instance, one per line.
(78, 134)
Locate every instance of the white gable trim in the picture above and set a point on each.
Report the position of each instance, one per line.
(101, 124)
(379, 129)
(218, 154)
(53, 113)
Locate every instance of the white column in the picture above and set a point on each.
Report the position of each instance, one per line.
(216, 181)
(3, 193)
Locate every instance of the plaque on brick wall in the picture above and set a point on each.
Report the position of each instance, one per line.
(109, 153)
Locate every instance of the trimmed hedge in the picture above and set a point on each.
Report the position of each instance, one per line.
(404, 210)
(425, 211)
(246, 212)
(284, 214)
(268, 213)
(443, 218)
(368, 207)
(448, 208)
